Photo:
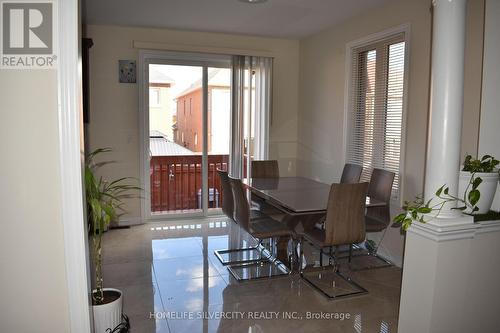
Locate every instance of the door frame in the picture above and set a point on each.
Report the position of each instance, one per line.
(204, 60)
(76, 254)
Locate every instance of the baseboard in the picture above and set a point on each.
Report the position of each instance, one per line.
(129, 221)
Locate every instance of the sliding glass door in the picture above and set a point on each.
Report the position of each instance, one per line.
(201, 113)
(175, 138)
(188, 105)
(218, 131)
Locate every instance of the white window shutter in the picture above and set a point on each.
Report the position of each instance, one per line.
(376, 108)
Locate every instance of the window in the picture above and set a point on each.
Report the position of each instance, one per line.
(375, 113)
(154, 97)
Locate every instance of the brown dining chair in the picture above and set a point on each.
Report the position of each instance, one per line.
(265, 169)
(224, 256)
(261, 229)
(351, 173)
(378, 219)
(344, 225)
(227, 195)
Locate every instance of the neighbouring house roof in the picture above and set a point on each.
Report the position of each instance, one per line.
(159, 145)
(156, 76)
(216, 77)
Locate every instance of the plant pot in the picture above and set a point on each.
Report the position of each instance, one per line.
(487, 189)
(109, 314)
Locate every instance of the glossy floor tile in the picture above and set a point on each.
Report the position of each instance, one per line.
(173, 282)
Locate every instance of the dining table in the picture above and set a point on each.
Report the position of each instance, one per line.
(301, 199)
(297, 195)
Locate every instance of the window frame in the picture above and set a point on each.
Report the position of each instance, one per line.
(368, 42)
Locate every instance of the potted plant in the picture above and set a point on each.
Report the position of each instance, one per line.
(477, 187)
(103, 200)
(485, 173)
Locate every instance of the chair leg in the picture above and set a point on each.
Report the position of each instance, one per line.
(379, 242)
(321, 257)
(336, 263)
(360, 290)
(259, 247)
(350, 253)
(301, 256)
(273, 248)
(373, 253)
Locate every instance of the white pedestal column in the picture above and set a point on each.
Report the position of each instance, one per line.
(446, 107)
(437, 275)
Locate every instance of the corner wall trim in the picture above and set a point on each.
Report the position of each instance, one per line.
(449, 232)
(129, 221)
(71, 161)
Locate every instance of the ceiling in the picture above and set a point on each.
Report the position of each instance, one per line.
(275, 18)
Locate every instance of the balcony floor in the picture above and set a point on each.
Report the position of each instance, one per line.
(172, 282)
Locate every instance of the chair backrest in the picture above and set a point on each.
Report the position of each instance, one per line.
(227, 194)
(351, 173)
(265, 169)
(241, 206)
(345, 215)
(381, 185)
(380, 188)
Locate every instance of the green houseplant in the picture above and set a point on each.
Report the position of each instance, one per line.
(104, 200)
(470, 199)
(483, 172)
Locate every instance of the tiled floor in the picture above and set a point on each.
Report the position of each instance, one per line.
(172, 282)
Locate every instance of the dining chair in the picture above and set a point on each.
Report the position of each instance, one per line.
(265, 169)
(227, 195)
(262, 228)
(351, 173)
(344, 225)
(378, 219)
(228, 210)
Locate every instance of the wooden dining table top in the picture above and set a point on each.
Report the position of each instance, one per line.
(297, 195)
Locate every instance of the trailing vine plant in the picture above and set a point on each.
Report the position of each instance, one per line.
(422, 211)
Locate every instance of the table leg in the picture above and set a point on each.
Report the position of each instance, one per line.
(282, 250)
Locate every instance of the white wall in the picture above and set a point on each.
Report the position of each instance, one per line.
(32, 274)
(489, 136)
(114, 117)
(322, 92)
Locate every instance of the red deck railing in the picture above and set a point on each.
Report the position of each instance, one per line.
(176, 182)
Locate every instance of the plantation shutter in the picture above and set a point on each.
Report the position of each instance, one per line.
(376, 107)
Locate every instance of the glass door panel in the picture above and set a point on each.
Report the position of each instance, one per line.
(219, 130)
(176, 138)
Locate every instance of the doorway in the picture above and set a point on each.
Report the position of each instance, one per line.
(187, 102)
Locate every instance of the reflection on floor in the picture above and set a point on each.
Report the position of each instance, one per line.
(172, 282)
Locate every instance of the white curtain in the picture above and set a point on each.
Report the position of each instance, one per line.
(251, 93)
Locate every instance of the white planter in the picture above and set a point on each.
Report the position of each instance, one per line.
(108, 315)
(487, 188)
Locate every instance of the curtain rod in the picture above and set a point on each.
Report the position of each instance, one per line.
(199, 48)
